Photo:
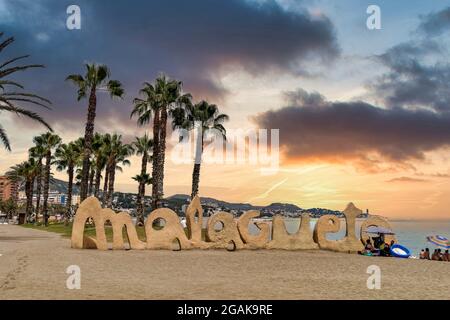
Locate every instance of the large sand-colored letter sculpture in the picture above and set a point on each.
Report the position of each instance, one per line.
(172, 231)
(227, 235)
(301, 240)
(223, 230)
(253, 241)
(91, 208)
(330, 223)
(379, 222)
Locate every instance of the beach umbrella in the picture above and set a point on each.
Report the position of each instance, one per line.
(439, 241)
(378, 230)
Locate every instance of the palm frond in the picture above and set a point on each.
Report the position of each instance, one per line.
(6, 72)
(27, 113)
(115, 88)
(4, 139)
(11, 83)
(6, 42)
(13, 60)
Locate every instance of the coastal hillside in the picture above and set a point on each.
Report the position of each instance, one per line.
(177, 201)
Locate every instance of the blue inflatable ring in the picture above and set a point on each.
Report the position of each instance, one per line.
(400, 251)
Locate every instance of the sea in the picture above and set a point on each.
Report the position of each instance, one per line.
(410, 233)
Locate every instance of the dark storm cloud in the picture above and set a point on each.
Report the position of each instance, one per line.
(435, 23)
(418, 76)
(311, 127)
(189, 40)
(418, 70)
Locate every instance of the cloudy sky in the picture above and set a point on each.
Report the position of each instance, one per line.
(364, 115)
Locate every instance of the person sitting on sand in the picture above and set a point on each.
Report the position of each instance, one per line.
(378, 242)
(435, 255)
(440, 255)
(422, 254)
(445, 256)
(427, 254)
(368, 248)
(386, 250)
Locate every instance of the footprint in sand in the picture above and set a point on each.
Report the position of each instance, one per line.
(8, 284)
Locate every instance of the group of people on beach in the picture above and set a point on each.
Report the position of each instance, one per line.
(437, 255)
(378, 248)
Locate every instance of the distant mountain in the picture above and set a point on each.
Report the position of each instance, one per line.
(235, 206)
(177, 201)
(213, 202)
(61, 186)
(277, 206)
(57, 185)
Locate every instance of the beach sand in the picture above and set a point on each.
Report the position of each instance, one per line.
(33, 265)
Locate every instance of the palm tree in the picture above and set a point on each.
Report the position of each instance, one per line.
(50, 141)
(206, 118)
(38, 153)
(146, 109)
(118, 154)
(9, 207)
(9, 99)
(25, 172)
(160, 98)
(143, 147)
(67, 156)
(96, 78)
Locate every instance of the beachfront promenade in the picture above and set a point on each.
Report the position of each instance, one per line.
(33, 265)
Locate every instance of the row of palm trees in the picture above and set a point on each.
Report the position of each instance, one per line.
(158, 102)
(96, 156)
(110, 153)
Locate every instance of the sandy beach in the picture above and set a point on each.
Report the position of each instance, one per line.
(33, 265)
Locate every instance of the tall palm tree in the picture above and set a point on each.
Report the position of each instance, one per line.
(118, 154)
(206, 118)
(143, 146)
(145, 109)
(37, 152)
(9, 99)
(95, 78)
(25, 172)
(50, 142)
(159, 99)
(67, 156)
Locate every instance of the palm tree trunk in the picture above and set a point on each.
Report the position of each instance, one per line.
(162, 154)
(141, 191)
(112, 174)
(29, 194)
(98, 176)
(155, 174)
(69, 195)
(91, 180)
(88, 136)
(105, 185)
(195, 180)
(197, 164)
(38, 187)
(46, 187)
